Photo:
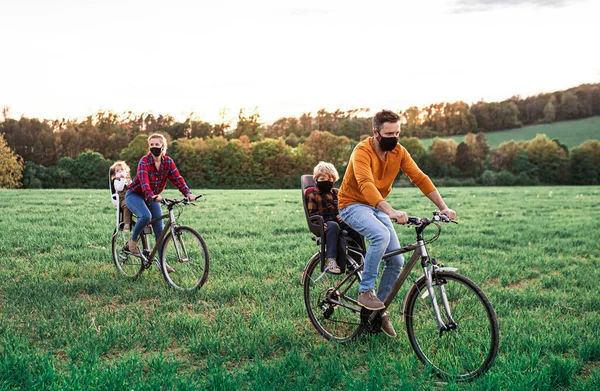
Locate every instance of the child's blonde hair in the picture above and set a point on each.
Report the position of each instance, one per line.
(160, 136)
(324, 168)
(113, 169)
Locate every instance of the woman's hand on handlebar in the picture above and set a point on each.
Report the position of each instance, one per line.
(191, 197)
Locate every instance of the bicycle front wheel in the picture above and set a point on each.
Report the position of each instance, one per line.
(470, 345)
(127, 264)
(187, 253)
(331, 302)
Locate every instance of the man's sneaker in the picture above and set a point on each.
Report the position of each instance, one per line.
(331, 266)
(386, 325)
(369, 300)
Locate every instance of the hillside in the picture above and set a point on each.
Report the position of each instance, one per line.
(570, 133)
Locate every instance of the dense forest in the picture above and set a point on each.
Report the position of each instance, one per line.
(67, 153)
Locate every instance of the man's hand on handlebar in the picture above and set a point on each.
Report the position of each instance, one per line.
(448, 212)
(398, 217)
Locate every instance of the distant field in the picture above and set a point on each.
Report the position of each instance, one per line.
(570, 133)
(68, 321)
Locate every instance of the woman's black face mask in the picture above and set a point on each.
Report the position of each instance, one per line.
(156, 151)
(325, 186)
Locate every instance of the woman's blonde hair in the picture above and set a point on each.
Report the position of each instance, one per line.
(121, 163)
(160, 136)
(324, 168)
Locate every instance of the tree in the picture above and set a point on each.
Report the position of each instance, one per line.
(569, 107)
(584, 163)
(550, 111)
(444, 151)
(324, 146)
(465, 160)
(550, 159)
(11, 167)
(91, 170)
(502, 158)
(137, 148)
(248, 125)
(416, 149)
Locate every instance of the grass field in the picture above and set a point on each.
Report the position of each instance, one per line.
(571, 133)
(69, 321)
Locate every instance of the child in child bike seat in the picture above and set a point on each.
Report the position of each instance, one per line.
(120, 175)
(322, 200)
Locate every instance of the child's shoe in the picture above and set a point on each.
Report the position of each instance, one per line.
(331, 266)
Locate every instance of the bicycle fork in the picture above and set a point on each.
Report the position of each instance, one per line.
(431, 273)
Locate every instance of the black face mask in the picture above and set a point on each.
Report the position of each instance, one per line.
(156, 151)
(325, 186)
(387, 143)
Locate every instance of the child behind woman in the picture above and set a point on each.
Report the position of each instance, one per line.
(120, 175)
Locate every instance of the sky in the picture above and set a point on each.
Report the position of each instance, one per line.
(284, 58)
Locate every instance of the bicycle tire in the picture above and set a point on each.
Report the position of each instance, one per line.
(128, 265)
(461, 354)
(191, 268)
(332, 321)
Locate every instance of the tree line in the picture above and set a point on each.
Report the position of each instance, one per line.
(77, 153)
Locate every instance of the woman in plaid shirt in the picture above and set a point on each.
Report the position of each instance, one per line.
(143, 194)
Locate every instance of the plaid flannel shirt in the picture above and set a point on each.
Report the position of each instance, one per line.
(325, 205)
(150, 182)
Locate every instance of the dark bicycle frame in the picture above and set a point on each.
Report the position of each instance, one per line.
(419, 252)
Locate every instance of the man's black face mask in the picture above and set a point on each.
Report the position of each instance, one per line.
(387, 143)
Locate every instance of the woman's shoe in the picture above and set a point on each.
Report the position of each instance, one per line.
(133, 248)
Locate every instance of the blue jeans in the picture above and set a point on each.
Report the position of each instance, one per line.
(331, 239)
(145, 211)
(377, 227)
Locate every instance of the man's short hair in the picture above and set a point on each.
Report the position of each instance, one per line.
(382, 117)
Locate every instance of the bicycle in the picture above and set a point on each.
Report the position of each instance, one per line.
(459, 342)
(183, 248)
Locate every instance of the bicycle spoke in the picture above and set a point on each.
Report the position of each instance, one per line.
(461, 353)
(185, 252)
(331, 304)
(126, 263)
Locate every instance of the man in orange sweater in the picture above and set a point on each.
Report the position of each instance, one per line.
(373, 166)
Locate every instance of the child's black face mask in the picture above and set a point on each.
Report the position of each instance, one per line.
(325, 186)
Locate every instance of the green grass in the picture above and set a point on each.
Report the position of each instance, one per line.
(69, 321)
(571, 133)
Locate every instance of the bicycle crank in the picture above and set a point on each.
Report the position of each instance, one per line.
(371, 325)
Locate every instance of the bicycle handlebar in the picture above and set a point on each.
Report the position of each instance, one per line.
(437, 217)
(175, 201)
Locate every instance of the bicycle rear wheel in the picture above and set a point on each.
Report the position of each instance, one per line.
(461, 353)
(127, 264)
(187, 253)
(331, 302)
